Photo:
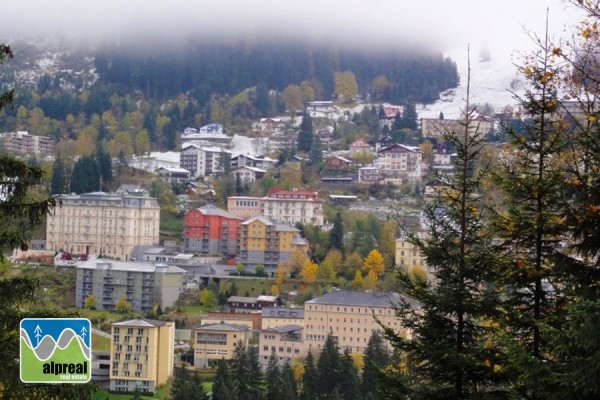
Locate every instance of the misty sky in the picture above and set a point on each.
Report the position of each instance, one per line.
(440, 24)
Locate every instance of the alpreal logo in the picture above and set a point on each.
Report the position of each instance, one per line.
(56, 350)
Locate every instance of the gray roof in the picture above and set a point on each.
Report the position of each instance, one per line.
(282, 312)
(284, 328)
(364, 299)
(242, 299)
(223, 327)
(132, 266)
(210, 209)
(140, 322)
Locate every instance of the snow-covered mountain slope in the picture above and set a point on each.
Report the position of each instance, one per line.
(494, 81)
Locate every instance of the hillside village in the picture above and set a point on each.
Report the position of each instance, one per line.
(113, 241)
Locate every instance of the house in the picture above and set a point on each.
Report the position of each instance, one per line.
(141, 355)
(400, 162)
(268, 125)
(369, 175)
(442, 155)
(213, 342)
(319, 108)
(359, 148)
(131, 190)
(256, 161)
(174, 175)
(387, 115)
(334, 162)
(246, 304)
(210, 230)
(436, 128)
(249, 174)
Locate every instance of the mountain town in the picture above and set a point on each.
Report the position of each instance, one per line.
(265, 220)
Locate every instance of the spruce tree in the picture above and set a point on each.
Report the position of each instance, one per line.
(305, 136)
(289, 386)
(376, 358)
(336, 234)
(529, 227)
(446, 339)
(59, 176)
(310, 378)
(224, 386)
(349, 383)
(273, 378)
(328, 366)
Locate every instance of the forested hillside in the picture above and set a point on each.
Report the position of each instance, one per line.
(228, 68)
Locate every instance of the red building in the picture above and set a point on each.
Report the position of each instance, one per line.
(210, 230)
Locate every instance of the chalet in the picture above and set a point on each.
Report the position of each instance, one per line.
(359, 147)
(369, 175)
(268, 125)
(334, 162)
(173, 175)
(256, 161)
(249, 174)
(387, 114)
(442, 155)
(240, 304)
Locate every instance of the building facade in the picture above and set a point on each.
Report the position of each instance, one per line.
(264, 242)
(273, 317)
(210, 230)
(291, 206)
(244, 207)
(141, 284)
(101, 223)
(141, 355)
(22, 142)
(284, 341)
(201, 160)
(400, 162)
(213, 342)
(349, 317)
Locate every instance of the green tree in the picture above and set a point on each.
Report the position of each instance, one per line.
(90, 302)
(208, 299)
(224, 387)
(20, 213)
(349, 382)
(142, 143)
(448, 352)
(328, 367)
(305, 136)
(376, 359)
(346, 87)
(336, 234)
(273, 378)
(59, 176)
(86, 175)
(310, 379)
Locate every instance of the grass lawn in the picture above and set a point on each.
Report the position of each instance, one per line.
(160, 394)
(100, 343)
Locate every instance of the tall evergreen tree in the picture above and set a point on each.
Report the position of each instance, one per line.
(376, 358)
(328, 366)
(446, 352)
(305, 136)
(59, 176)
(336, 234)
(410, 116)
(349, 383)
(273, 378)
(20, 214)
(224, 386)
(86, 175)
(289, 386)
(310, 379)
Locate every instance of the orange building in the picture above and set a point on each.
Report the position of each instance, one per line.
(210, 230)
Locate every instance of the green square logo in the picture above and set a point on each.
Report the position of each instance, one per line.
(56, 350)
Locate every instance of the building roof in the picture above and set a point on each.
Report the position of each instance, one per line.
(242, 299)
(212, 210)
(282, 312)
(284, 328)
(253, 169)
(131, 266)
(264, 297)
(140, 322)
(223, 327)
(174, 170)
(351, 298)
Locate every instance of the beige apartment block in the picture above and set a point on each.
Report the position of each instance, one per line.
(105, 224)
(350, 317)
(285, 342)
(213, 342)
(273, 317)
(141, 354)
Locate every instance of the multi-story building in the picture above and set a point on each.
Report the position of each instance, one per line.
(141, 284)
(349, 316)
(369, 175)
(436, 128)
(387, 115)
(106, 224)
(284, 341)
(22, 142)
(262, 241)
(210, 230)
(141, 355)
(244, 207)
(359, 148)
(400, 162)
(284, 206)
(213, 342)
(201, 160)
(273, 317)
(291, 206)
(408, 255)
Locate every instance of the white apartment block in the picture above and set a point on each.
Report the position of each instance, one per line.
(400, 162)
(201, 160)
(280, 206)
(105, 224)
